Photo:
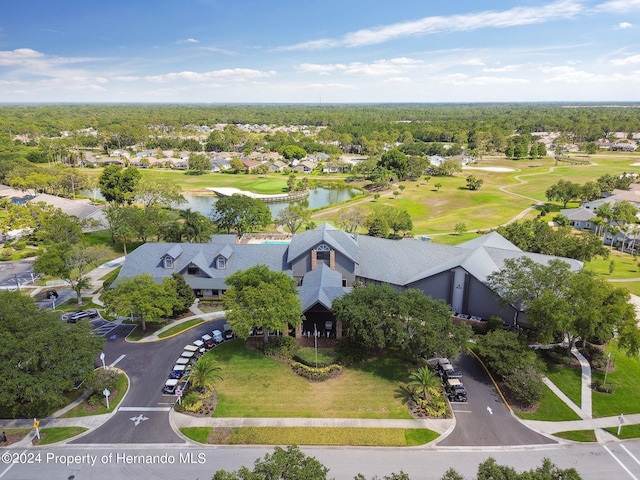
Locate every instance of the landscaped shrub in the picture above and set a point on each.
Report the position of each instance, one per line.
(606, 388)
(316, 374)
(5, 254)
(597, 358)
(556, 355)
(21, 245)
(280, 347)
(96, 399)
(307, 355)
(102, 378)
(192, 402)
(526, 385)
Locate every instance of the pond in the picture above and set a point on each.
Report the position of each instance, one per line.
(318, 198)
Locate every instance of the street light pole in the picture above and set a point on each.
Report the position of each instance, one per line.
(607, 369)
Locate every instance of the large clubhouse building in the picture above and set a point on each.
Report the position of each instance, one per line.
(327, 262)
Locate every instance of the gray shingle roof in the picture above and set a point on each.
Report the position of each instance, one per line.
(342, 242)
(321, 285)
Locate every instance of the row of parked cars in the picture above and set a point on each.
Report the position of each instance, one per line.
(179, 375)
(452, 380)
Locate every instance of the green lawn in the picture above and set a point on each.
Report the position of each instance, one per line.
(84, 410)
(181, 327)
(365, 391)
(137, 333)
(550, 409)
(58, 434)
(380, 437)
(625, 378)
(578, 435)
(625, 266)
(567, 379)
(626, 432)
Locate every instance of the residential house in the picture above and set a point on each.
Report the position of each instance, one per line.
(277, 166)
(580, 218)
(326, 263)
(305, 167)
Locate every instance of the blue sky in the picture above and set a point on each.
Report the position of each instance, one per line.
(314, 51)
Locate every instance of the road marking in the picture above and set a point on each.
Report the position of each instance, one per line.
(489, 410)
(630, 454)
(620, 463)
(117, 360)
(4, 472)
(463, 411)
(137, 420)
(144, 409)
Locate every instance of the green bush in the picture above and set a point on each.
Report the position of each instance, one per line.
(21, 245)
(5, 254)
(315, 374)
(102, 378)
(526, 385)
(307, 355)
(608, 388)
(280, 347)
(597, 358)
(96, 399)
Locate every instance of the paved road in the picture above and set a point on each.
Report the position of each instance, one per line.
(143, 415)
(484, 420)
(593, 461)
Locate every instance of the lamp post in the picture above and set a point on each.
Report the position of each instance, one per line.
(102, 358)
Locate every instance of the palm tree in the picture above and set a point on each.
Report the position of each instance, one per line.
(424, 382)
(205, 373)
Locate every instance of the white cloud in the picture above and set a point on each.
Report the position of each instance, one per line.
(455, 23)
(503, 69)
(188, 40)
(393, 66)
(19, 56)
(619, 6)
(228, 74)
(623, 25)
(322, 69)
(322, 44)
(397, 80)
(631, 60)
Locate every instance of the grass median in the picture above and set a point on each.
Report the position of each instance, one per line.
(379, 437)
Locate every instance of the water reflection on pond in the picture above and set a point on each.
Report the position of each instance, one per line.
(318, 198)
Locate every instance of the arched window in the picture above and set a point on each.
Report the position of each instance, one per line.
(322, 252)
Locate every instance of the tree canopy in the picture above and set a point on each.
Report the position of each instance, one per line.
(240, 213)
(575, 304)
(142, 297)
(119, 184)
(408, 320)
(259, 297)
(41, 357)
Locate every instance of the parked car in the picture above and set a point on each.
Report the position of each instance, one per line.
(453, 373)
(81, 314)
(455, 390)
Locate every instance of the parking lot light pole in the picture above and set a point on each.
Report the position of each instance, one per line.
(102, 358)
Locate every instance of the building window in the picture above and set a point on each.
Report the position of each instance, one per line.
(344, 282)
(221, 263)
(193, 270)
(322, 252)
(168, 262)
